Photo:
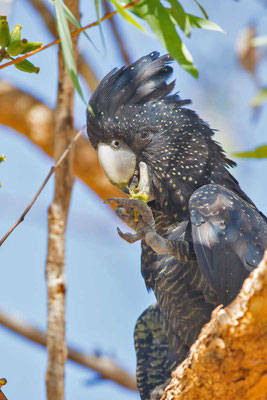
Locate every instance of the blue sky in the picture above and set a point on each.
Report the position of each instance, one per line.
(105, 291)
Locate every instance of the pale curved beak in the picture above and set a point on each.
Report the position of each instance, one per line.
(118, 164)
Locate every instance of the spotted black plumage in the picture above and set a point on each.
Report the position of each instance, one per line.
(204, 236)
(155, 360)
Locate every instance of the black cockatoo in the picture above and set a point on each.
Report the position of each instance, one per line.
(201, 234)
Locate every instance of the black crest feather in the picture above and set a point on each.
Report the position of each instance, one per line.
(140, 82)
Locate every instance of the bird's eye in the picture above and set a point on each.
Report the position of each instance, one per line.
(145, 134)
(115, 144)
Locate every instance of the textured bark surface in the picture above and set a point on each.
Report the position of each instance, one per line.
(32, 118)
(229, 359)
(57, 216)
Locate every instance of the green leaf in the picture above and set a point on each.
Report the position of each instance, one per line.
(160, 22)
(179, 17)
(66, 44)
(75, 22)
(259, 152)
(126, 15)
(202, 9)
(97, 7)
(260, 98)
(27, 66)
(259, 41)
(197, 22)
(91, 111)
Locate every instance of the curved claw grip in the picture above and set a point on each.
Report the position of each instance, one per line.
(129, 237)
(136, 205)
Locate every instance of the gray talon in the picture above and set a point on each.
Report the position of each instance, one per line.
(128, 237)
(136, 214)
(121, 212)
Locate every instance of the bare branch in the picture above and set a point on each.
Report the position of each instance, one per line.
(32, 118)
(52, 170)
(117, 35)
(104, 366)
(49, 20)
(57, 217)
(229, 359)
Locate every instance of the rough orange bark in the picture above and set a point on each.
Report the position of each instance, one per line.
(229, 359)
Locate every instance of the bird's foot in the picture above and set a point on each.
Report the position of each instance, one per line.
(137, 215)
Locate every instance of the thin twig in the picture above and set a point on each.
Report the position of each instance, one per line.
(75, 33)
(26, 114)
(52, 170)
(103, 365)
(118, 37)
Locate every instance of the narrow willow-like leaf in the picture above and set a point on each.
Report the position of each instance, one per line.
(259, 152)
(179, 16)
(202, 9)
(178, 13)
(197, 22)
(259, 41)
(97, 7)
(160, 22)
(75, 22)
(260, 98)
(126, 15)
(66, 44)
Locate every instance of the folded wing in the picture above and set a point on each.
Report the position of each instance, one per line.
(229, 238)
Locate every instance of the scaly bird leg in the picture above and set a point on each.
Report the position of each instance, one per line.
(127, 210)
(145, 228)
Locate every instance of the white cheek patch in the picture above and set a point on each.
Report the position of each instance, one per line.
(118, 164)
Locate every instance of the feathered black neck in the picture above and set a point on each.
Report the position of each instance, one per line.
(184, 157)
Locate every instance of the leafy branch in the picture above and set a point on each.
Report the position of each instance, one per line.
(72, 34)
(162, 19)
(62, 15)
(12, 45)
